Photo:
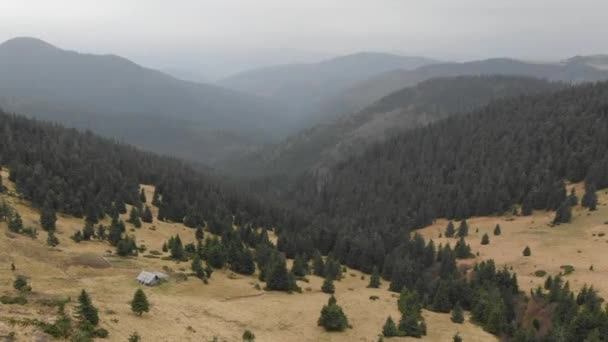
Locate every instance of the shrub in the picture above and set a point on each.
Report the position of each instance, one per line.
(568, 269)
(13, 300)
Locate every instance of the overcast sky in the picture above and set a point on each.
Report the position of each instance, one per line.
(234, 34)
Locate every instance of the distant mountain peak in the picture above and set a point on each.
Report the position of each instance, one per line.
(27, 43)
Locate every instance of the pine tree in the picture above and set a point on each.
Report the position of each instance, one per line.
(147, 216)
(156, 198)
(199, 234)
(48, 218)
(457, 314)
(51, 239)
(277, 277)
(374, 280)
(485, 239)
(134, 337)
(318, 266)
(527, 251)
(88, 231)
(328, 285)
(497, 231)
(563, 213)
(142, 196)
(197, 267)
(410, 326)
(299, 267)
(177, 249)
(390, 328)
(462, 250)
(248, 336)
(85, 311)
(463, 229)
(332, 317)
(140, 304)
(134, 217)
(441, 300)
(20, 284)
(450, 230)
(572, 198)
(589, 199)
(15, 223)
(333, 268)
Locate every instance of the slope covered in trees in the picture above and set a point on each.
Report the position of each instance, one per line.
(325, 145)
(118, 98)
(514, 151)
(367, 92)
(86, 176)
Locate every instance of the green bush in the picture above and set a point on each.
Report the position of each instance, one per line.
(13, 300)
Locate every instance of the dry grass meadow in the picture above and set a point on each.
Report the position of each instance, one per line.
(192, 311)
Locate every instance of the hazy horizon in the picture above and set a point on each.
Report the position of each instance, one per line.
(215, 39)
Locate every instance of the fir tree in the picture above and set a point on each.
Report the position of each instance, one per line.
(527, 251)
(197, 267)
(277, 278)
(142, 196)
(450, 230)
(497, 231)
(134, 337)
(332, 317)
(147, 216)
(248, 336)
(199, 234)
(51, 239)
(463, 229)
(299, 267)
(589, 199)
(390, 328)
(441, 300)
(462, 250)
(15, 223)
(572, 198)
(88, 231)
(48, 218)
(328, 285)
(318, 266)
(177, 249)
(457, 314)
(485, 239)
(20, 284)
(374, 280)
(134, 217)
(85, 310)
(563, 213)
(140, 304)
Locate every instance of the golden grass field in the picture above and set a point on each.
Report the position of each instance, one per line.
(229, 304)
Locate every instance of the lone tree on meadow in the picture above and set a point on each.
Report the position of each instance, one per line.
(140, 303)
(527, 251)
(248, 336)
(86, 311)
(497, 230)
(332, 317)
(485, 239)
(328, 285)
(20, 284)
(374, 280)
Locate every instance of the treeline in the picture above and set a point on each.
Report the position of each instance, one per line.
(63, 170)
(511, 156)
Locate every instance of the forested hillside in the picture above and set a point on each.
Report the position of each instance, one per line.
(365, 93)
(83, 175)
(514, 151)
(323, 146)
(115, 97)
